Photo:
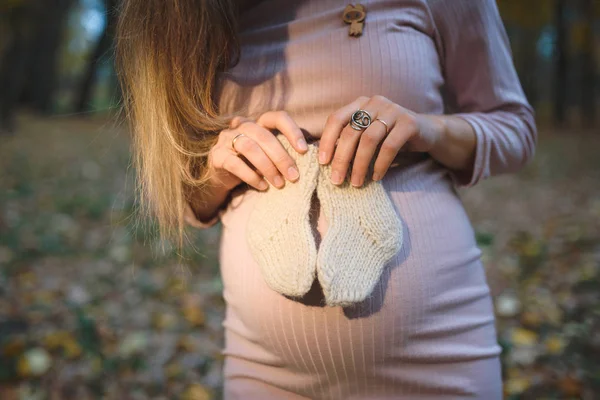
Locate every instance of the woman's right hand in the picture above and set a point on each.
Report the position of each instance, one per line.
(266, 154)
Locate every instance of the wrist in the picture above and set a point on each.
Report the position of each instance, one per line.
(222, 183)
(454, 146)
(438, 130)
(433, 131)
(205, 200)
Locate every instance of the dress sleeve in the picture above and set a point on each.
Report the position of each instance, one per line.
(482, 86)
(190, 218)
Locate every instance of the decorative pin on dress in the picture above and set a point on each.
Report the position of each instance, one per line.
(355, 16)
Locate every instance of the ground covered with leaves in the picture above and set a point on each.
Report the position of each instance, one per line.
(90, 309)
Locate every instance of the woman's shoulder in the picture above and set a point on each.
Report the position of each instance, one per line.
(460, 8)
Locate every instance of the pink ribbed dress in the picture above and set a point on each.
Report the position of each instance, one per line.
(427, 332)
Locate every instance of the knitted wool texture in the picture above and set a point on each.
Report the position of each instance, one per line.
(279, 234)
(364, 233)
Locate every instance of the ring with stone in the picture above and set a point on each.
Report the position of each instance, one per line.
(233, 142)
(361, 119)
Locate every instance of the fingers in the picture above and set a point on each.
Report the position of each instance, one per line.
(248, 147)
(369, 142)
(345, 152)
(334, 126)
(342, 145)
(239, 168)
(282, 121)
(262, 153)
(275, 155)
(405, 128)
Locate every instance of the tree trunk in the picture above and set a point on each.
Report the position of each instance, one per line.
(14, 62)
(588, 92)
(561, 63)
(103, 49)
(529, 65)
(44, 71)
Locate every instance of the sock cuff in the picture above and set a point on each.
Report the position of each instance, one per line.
(311, 154)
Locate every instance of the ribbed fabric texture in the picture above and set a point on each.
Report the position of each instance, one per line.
(427, 330)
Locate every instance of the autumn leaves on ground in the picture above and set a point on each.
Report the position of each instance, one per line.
(89, 309)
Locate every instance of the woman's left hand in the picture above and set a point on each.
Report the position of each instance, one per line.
(407, 131)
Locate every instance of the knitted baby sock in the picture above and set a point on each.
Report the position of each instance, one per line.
(279, 233)
(364, 233)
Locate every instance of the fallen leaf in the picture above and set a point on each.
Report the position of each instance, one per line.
(34, 362)
(515, 386)
(524, 337)
(554, 345)
(197, 392)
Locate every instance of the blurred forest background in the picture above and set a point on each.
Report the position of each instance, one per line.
(89, 309)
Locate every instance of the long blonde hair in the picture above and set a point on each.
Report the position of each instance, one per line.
(168, 54)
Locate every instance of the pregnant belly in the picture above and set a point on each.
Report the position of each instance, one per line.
(432, 304)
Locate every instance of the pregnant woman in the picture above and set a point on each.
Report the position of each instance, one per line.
(231, 100)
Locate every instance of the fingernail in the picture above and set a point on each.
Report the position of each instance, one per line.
(302, 144)
(356, 182)
(278, 181)
(293, 173)
(376, 176)
(322, 157)
(336, 178)
(263, 185)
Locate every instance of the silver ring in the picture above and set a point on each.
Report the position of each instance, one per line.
(387, 127)
(233, 142)
(361, 119)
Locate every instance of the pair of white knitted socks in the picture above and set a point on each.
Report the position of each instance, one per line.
(364, 233)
